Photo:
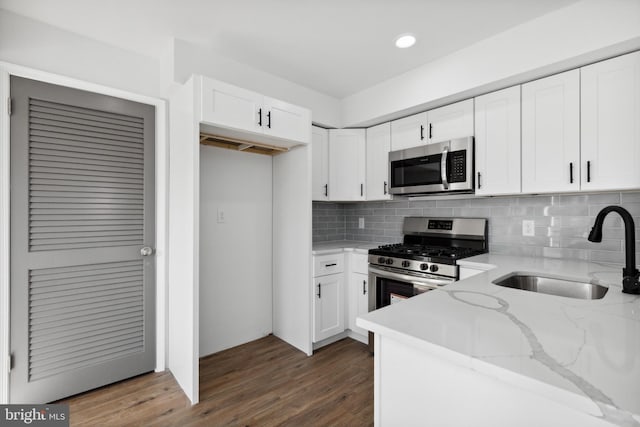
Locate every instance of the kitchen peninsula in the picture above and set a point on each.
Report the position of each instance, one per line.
(473, 353)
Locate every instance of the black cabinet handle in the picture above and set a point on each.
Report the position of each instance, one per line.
(570, 172)
(326, 190)
(260, 117)
(330, 265)
(269, 119)
(421, 132)
(430, 130)
(319, 291)
(361, 190)
(385, 187)
(588, 171)
(364, 287)
(479, 182)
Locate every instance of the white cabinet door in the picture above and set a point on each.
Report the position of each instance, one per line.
(497, 122)
(409, 132)
(320, 163)
(377, 167)
(347, 152)
(230, 106)
(283, 120)
(450, 122)
(359, 285)
(610, 124)
(328, 307)
(551, 134)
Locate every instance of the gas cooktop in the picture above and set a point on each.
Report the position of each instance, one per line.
(433, 245)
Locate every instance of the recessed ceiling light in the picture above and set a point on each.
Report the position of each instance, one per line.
(405, 40)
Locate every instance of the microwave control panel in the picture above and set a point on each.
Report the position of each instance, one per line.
(457, 166)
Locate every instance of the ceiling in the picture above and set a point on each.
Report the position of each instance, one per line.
(337, 47)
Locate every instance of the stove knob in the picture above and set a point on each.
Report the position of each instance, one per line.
(406, 264)
(433, 268)
(424, 266)
(381, 260)
(389, 261)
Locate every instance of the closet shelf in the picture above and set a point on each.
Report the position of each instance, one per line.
(240, 145)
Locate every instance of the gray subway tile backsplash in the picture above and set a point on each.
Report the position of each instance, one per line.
(562, 222)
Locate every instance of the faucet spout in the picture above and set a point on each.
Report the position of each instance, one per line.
(630, 274)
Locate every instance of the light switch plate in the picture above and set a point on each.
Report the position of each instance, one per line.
(528, 227)
(221, 216)
(360, 222)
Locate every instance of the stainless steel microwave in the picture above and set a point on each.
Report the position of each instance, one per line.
(433, 168)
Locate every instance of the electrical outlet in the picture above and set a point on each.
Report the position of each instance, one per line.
(360, 222)
(221, 216)
(528, 227)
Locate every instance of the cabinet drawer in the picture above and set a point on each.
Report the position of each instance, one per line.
(328, 264)
(359, 263)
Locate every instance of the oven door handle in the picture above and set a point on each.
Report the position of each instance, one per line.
(443, 168)
(428, 282)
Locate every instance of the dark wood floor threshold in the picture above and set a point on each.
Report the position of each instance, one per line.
(266, 382)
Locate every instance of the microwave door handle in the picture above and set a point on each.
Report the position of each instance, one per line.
(443, 168)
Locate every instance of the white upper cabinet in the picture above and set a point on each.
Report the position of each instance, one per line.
(551, 134)
(377, 167)
(497, 138)
(409, 132)
(230, 106)
(450, 122)
(610, 124)
(241, 113)
(320, 163)
(347, 152)
(284, 120)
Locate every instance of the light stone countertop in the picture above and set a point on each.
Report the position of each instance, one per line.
(583, 353)
(322, 248)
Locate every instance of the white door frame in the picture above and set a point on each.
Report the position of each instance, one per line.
(6, 70)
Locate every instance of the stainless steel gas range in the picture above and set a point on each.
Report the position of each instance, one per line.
(425, 260)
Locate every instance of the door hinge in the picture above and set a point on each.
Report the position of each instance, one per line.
(9, 106)
(12, 360)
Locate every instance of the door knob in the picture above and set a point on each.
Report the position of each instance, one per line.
(146, 251)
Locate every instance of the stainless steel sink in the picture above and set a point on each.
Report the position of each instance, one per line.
(552, 286)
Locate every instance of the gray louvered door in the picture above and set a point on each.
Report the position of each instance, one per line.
(82, 208)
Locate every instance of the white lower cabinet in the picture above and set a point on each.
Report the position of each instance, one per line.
(341, 294)
(358, 294)
(359, 300)
(328, 306)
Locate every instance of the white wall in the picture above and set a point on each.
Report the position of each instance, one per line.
(292, 300)
(184, 176)
(585, 31)
(194, 59)
(235, 255)
(31, 43)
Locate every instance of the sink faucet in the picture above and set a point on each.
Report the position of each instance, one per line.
(630, 273)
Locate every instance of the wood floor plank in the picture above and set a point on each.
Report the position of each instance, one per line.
(262, 383)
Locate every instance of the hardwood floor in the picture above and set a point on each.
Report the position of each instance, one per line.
(263, 383)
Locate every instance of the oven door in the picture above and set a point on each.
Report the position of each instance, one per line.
(388, 286)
